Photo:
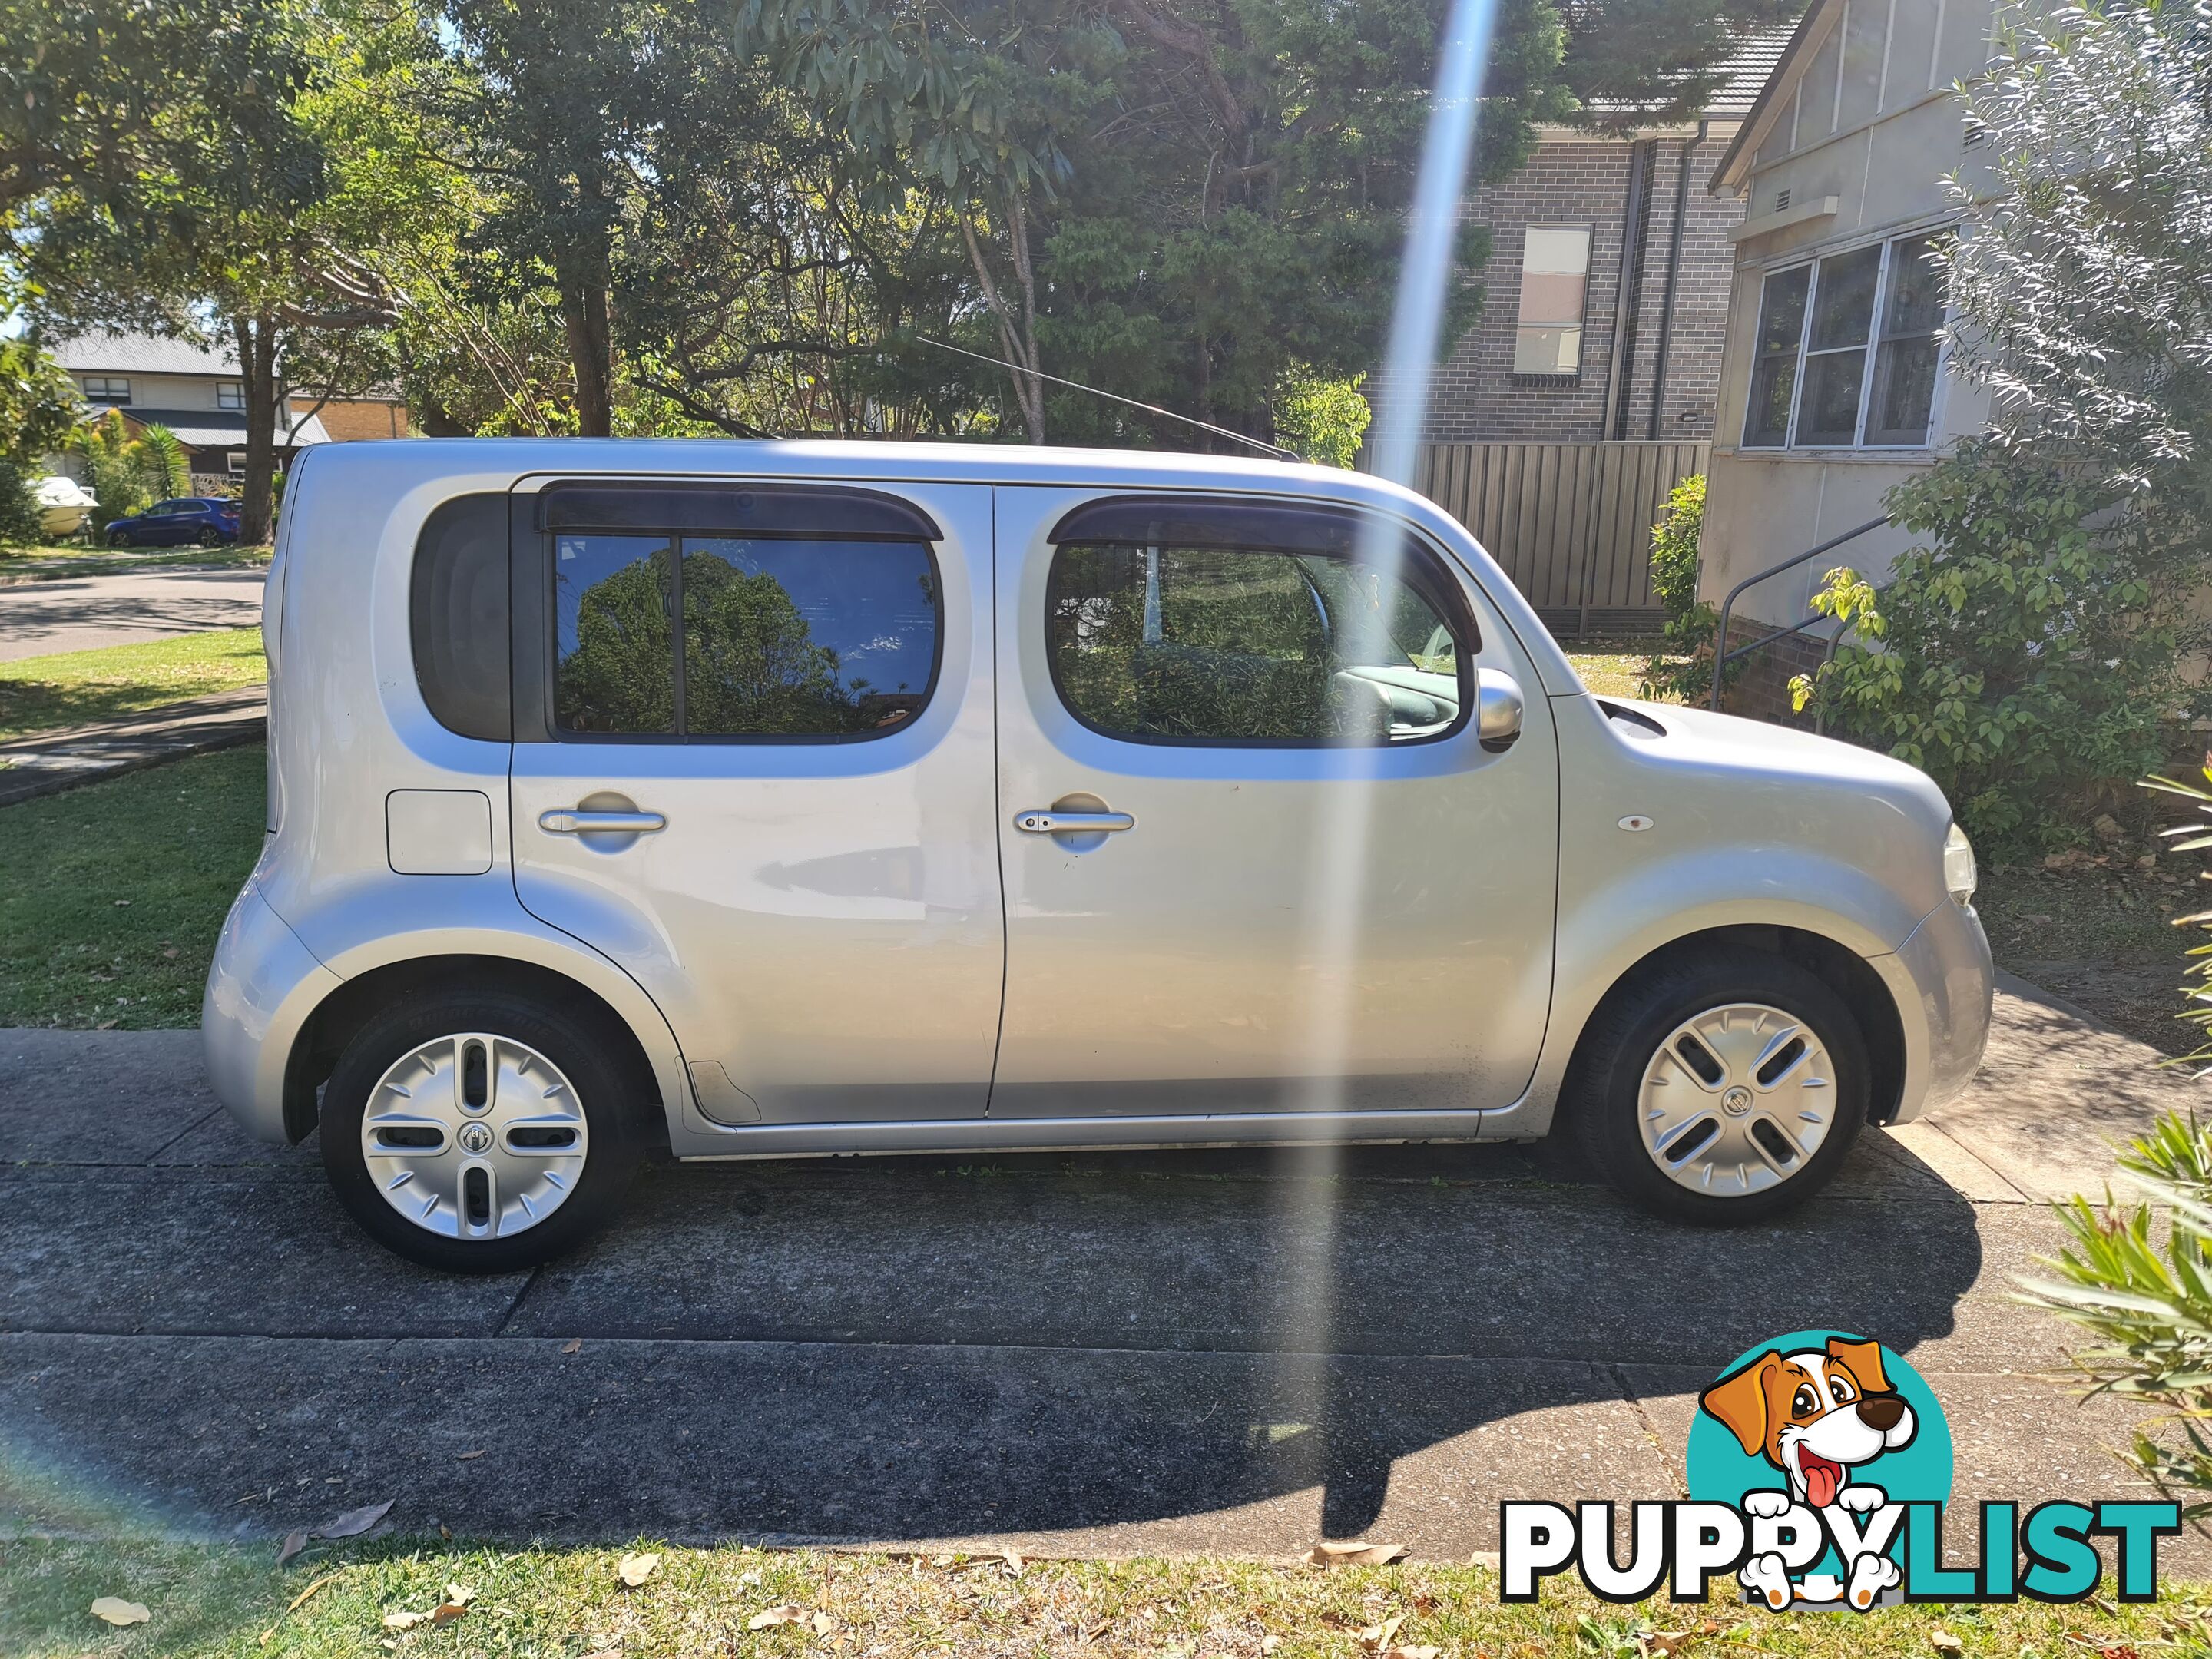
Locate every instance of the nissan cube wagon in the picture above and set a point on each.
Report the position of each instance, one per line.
(764, 800)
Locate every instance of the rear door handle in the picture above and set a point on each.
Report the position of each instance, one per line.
(1072, 823)
(571, 822)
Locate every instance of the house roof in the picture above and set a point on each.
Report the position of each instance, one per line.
(1758, 116)
(222, 429)
(144, 354)
(1741, 75)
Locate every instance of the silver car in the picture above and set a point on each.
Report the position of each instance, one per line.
(764, 800)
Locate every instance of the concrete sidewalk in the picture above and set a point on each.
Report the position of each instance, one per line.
(1222, 1351)
(50, 762)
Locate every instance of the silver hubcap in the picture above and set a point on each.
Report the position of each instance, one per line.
(475, 1136)
(1736, 1100)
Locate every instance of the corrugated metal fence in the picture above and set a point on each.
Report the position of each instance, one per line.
(1571, 523)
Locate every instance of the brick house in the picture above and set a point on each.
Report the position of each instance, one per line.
(1607, 288)
(195, 391)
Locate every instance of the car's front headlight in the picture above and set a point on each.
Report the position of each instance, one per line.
(1960, 875)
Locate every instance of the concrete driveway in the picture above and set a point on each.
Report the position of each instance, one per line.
(85, 612)
(1206, 1352)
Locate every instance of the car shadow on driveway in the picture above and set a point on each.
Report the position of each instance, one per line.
(1181, 1351)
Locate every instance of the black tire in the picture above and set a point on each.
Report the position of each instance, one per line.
(576, 1035)
(1602, 1097)
(121, 539)
(209, 538)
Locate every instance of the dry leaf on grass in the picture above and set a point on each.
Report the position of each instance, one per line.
(117, 1611)
(1269, 1644)
(1376, 1637)
(1943, 1642)
(822, 1624)
(1362, 1554)
(401, 1619)
(1084, 1636)
(1014, 1562)
(445, 1612)
(294, 1543)
(1410, 1653)
(787, 1613)
(327, 1578)
(634, 1570)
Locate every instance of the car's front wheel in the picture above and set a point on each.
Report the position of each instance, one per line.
(119, 539)
(1721, 1085)
(482, 1132)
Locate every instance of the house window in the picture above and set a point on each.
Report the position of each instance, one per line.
(1554, 274)
(1824, 375)
(230, 394)
(106, 389)
(237, 462)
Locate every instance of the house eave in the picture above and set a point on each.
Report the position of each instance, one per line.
(1733, 171)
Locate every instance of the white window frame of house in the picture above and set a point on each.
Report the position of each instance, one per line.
(113, 390)
(1579, 327)
(230, 394)
(236, 463)
(1811, 262)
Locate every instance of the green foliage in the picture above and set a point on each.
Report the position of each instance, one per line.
(2025, 654)
(2028, 652)
(1324, 420)
(163, 463)
(1690, 623)
(19, 507)
(113, 472)
(39, 405)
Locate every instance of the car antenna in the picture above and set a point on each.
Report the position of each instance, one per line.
(1275, 450)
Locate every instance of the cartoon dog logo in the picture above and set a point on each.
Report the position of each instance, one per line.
(1817, 1414)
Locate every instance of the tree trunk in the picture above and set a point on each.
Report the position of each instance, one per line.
(1017, 335)
(584, 310)
(257, 369)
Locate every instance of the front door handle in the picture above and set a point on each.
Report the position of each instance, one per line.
(1045, 823)
(573, 821)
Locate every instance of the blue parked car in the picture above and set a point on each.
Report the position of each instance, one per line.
(206, 520)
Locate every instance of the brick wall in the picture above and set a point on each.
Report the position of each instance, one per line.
(1761, 687)
(1476, 397)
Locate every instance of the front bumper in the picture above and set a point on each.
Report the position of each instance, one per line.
(261, 987)
(1944, 983)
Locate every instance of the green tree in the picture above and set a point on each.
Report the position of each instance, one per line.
(38, 403)
(2029, 651)
(113, 469)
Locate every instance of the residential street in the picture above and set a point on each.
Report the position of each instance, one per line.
(85, 612)
(1160, 1354)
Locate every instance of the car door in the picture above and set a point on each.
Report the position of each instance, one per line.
(1257, 856)
(753, 765)
(162, 524)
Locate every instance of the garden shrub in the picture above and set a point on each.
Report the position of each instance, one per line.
(20, 525)
(1690, 623)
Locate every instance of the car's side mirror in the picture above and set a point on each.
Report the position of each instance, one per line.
(1498, 709)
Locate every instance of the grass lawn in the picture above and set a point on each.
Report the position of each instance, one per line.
(19, 564)
(113, 893)
(77, 688)
(563, 1604)
(1614, 668)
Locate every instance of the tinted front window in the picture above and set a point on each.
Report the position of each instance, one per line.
(1249, 644)
(780, 637)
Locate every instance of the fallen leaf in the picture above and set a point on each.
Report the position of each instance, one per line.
(1410, 1653)
(1014, 1562)
(294, 1543)
(1943, 1642)
(822, 1624)
(459, 1595)
(636, 1569)
(1326, 1554)
(445, 1612)
(403, 1620)
(1269, 1644)
(444, 1531)
(468, 1457)
(1376, 1637)
(327, 1578)
(1484, 1558)
(117, 1611)
(573, 1345)
(787, 1613)
(1084, 1637)
(123, 904)
(354, 1522)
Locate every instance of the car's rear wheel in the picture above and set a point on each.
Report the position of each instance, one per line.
(482, 1132)
(208, 536)
(1720, 1085)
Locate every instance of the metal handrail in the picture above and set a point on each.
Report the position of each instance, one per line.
(1722, 655)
